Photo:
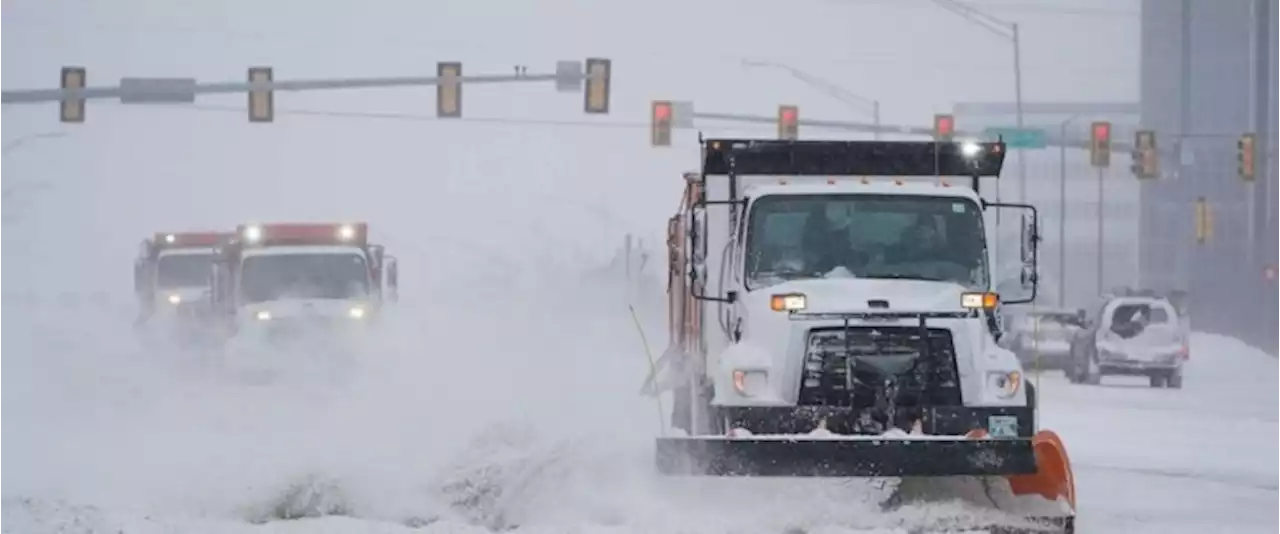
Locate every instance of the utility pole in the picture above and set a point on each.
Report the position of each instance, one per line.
(1261, 187)
(1062, 212)
(1010, 31)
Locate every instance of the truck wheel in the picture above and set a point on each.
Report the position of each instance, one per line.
(1158, 380)
(1174, 379)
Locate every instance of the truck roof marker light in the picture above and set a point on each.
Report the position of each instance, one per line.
(985, 300)
(897, 181)
(346, 232)
(782, 181)
(831, 181)
(865, 180)
(788, 302)
(943, 182)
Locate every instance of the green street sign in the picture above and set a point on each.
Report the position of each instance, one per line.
(1033, 138)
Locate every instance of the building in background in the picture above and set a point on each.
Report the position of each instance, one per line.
(1208, 75)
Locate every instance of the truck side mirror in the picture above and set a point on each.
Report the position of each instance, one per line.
(392, 265)
(1030, 238)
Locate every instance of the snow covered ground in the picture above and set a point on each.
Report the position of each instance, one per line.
(479, 415)
(505, 388)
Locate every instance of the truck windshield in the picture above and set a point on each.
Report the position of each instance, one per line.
(304, 276)
(183, 270)
(866, 236)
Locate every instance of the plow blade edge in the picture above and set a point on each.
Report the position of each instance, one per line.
(803, 457)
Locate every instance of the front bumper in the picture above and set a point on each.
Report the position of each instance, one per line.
(302, 332)
(803, 456)
(1123, 363)
(997, 421)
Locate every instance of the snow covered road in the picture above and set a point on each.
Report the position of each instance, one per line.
(450, 428)
(1204, 457)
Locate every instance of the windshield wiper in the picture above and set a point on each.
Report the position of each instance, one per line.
(904, 277)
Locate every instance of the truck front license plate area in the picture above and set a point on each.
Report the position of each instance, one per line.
(1002, 426)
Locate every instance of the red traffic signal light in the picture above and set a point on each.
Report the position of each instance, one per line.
(1100, 144)
(788, 122)
(944, 127)
(660, 132)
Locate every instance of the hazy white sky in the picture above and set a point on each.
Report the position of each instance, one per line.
(131, 171)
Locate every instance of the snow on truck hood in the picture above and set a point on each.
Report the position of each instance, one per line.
(841, 295)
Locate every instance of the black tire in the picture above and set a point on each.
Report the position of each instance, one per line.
(1158, 380)
(1072, 366)
(1174, 380)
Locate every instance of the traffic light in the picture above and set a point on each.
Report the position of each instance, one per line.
(597, 94)
(72, 110)
(1100, 144)
(944, 127)
(1146, 159)
(660, 134)
(1246, 156)
(449, 90)
(1204, 221)
(262, 104)
(788, 123)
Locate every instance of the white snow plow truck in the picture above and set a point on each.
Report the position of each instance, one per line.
(278, 284)
(171, 282)
(832, 315)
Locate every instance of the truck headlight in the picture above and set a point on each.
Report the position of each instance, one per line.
(1005, 385)
(263, 315)
(788, 302)
(973, 301)
(175, 299)
(747, 383)
(356, 313)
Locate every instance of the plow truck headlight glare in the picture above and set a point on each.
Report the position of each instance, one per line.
(788, 302)
(170, 239)
(1006, 385)
(356, 313)
(253, 234)
(346, 232)
(262, 315)
(974, 301)
(747, 383)
(175, 299)
(970, 149)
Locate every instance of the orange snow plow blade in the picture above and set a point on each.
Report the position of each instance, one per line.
(1053, 478)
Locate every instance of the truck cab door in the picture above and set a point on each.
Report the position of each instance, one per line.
(392, 266)
(140, 277)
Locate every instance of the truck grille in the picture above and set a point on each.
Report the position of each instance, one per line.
(846, 367)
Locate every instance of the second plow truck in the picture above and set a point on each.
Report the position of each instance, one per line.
(832, 314)
(171, 281)
(289, 284)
